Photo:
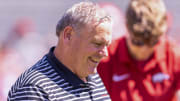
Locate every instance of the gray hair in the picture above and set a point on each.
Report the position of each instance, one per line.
(82, 14)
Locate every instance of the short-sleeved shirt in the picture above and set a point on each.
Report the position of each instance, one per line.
(155, 79)
(50, 80)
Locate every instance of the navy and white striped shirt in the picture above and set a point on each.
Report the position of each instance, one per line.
(50, 80)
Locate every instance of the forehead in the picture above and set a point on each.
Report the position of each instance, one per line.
(102, 31)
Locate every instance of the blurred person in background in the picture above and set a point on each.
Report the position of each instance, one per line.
(68, 71)
(25, 40)
(119, 27)
(10, 70)
(143, 65)
(22, 47)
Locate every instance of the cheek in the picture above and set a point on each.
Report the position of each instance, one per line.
(90, 48)
(93, 51)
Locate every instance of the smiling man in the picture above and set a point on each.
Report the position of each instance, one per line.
(68, 71)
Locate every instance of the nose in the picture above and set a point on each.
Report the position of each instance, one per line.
(104, 52)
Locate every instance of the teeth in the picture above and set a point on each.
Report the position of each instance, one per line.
(94, 60)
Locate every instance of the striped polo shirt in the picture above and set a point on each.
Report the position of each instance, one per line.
(50, 80)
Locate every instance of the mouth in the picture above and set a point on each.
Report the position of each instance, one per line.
(96, 61)
(92, 64)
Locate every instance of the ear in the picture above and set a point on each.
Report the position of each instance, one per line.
(67, 33)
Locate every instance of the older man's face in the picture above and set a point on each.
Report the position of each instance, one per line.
(89, 47)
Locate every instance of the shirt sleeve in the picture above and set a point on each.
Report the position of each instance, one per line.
(28, 92)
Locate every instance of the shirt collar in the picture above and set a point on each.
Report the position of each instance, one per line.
(63, 71)
(123, 52)
(161, 49)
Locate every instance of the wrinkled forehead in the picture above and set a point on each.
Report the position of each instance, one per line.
(103, 24)
(103, 32)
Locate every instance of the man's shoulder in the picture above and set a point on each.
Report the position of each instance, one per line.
(33, 83)
(96, 79)
(34, 74)
(173, 52)
(169, 45)
(173, 47)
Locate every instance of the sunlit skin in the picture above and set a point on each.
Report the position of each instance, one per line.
(82, 50)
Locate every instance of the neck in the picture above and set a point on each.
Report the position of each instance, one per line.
(62, 55)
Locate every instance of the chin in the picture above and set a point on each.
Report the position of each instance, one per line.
(92, 70)
(142, 58)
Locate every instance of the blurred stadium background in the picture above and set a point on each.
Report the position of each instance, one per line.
(27, 29)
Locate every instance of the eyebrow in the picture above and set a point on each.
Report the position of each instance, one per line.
(101, 40)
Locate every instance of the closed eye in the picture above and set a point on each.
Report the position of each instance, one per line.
(98, 44)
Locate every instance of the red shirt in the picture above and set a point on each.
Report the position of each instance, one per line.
(156, 79)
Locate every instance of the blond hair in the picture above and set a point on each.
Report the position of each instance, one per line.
(146, 18)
